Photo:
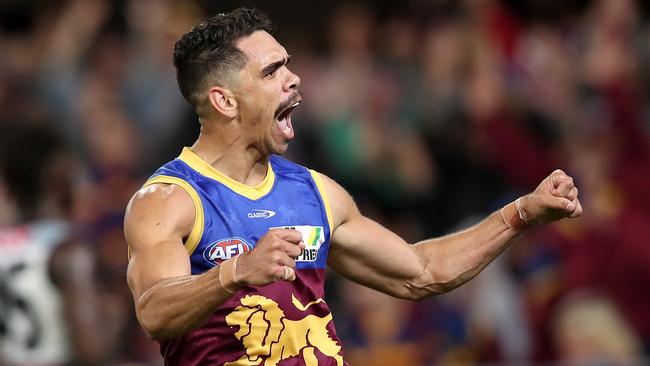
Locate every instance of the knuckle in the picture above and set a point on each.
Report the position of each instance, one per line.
(296, 252)
(274, 269)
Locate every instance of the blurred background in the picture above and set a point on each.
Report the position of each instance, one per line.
(432, 113)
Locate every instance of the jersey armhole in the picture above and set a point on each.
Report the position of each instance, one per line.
(323, 194)
(199, 221)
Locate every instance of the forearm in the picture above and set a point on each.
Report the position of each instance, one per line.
(453, 260)
(175, 306)
(365, 252)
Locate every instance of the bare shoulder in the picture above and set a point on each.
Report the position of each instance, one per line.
(158, 209)
(159, 199)
(341, 203)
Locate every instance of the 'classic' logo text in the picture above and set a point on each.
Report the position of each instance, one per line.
(261, 214)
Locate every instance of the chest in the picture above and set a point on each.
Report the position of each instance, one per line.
(234, 224)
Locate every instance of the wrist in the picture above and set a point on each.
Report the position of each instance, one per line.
(228, 275)
(514, 216)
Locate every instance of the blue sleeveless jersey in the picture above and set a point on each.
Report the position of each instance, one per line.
(230, 218)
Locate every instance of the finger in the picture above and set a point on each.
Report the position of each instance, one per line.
(578, 211)
(558, 177)
(559, 203)
(290, 235)
(287, 261)
(284, 273)
(564, 187)
(573, 194)
(292, 250)
(289, 274)
(555, 176)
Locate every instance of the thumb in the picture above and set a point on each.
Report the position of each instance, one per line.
(559, 203)
(289, 274)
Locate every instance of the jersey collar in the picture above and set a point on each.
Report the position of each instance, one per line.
(207, 170)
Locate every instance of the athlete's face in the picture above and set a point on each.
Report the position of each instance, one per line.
(268, 93)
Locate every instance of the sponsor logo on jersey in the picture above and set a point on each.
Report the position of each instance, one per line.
(313, 237)
(224, 249)
(261, 214)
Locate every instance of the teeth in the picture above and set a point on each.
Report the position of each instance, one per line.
(287, 109)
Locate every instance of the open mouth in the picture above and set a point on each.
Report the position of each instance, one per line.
(284, 119)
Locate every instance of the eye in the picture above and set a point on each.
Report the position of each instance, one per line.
(270, 74)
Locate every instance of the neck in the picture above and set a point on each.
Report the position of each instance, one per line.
(230, 153)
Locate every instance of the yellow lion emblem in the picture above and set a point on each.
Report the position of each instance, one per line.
(269, 337)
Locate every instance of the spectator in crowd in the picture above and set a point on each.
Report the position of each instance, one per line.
(49, 310)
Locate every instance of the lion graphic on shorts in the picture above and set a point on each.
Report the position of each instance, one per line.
(269, 337)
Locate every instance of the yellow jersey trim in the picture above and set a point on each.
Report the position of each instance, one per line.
(321, 189)
(199, 221)
(207, 170)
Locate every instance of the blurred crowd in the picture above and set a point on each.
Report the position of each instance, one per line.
(431, 113)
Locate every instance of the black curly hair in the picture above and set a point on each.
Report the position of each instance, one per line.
(208, 52)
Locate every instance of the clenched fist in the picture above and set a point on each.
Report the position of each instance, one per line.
(273, 259)
(554, 199)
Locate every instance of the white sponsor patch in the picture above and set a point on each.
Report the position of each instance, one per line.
(313, 237)
(261, 214)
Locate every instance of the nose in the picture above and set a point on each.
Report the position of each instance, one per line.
(293, 81)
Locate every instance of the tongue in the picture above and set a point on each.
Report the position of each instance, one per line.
(285, 127)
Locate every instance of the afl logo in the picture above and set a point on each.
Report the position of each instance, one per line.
(221, 250)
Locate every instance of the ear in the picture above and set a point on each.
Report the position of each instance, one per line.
(223, 101)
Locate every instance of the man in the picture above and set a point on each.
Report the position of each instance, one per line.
(47, 305)
(229, 242)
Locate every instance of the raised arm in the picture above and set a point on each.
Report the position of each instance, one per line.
(368, 253)
(169, 300)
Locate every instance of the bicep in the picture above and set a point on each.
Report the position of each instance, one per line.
(157, 220)
(365, 251)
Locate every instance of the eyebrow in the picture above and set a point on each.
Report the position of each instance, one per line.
(275, 65)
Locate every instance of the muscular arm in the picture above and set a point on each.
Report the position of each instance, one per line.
(169, 301)
(368, 253)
